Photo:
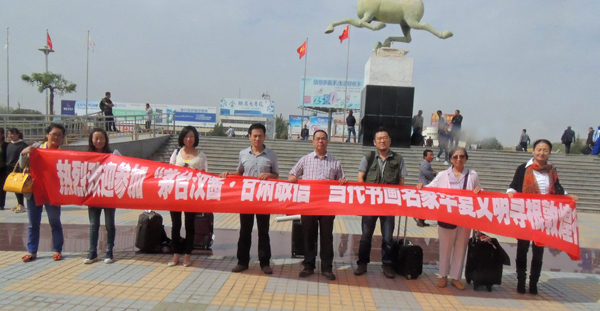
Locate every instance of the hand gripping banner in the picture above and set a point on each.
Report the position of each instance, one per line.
(105, 180)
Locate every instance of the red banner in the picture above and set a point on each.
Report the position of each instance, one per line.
(84, 178)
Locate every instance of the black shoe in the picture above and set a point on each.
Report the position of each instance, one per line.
(239, 268)
(109, 257)
(418, 221)
(267, 270)
(306, 272)
(388, 272)
(361, 269)
(425, 224)
(329, 275)
(91, 258)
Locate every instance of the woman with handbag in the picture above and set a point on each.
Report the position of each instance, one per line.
(186, 156)
(13, 151)
(454, 239)
(536, 176)
(98, 142)
(3, 174)
(55, 134)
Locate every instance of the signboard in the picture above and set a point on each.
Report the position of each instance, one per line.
(247, 107)
(67, 107)
(435, 119)
(329, 93)
(185, 115)
(313, 123)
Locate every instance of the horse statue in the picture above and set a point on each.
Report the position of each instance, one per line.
(407, 13)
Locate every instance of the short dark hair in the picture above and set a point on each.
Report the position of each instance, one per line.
(545, 141)
(14, 131)
(457, 110)
(380, 129)
(426, 151)
(257, 126)
(91, 147)
(524, 130)
(107, 93)
(184, 131)
(454, 150)
(321, 131)
(55, 126)
(439, 111)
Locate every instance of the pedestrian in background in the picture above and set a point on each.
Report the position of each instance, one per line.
(351, 122)
(568, 137)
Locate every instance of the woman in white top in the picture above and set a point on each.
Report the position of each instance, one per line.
(536, 176)
(187, 156)
(454, 239)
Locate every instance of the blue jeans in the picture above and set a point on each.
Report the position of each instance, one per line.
(386, 224)
(444, 149)
(351, 130)
(35, 218)
(109, 222)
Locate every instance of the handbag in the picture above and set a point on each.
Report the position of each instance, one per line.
(19, 182)
(446, 225)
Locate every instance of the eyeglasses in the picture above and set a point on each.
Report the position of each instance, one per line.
(461, 156)
(384, 138)
(320, 138)
(57, 135)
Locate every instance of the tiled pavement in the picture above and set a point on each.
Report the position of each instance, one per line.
(144, 282)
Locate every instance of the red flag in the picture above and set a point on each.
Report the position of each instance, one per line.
(302, 49)
(345, 34)
(49, 41)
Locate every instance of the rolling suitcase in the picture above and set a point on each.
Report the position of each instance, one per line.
(407, 258)
(204, 230)
(150, 232)
(485, 260)
(298, 239)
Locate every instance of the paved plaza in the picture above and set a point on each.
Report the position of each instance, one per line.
(138, 281)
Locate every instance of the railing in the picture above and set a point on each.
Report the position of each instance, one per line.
(33, 126)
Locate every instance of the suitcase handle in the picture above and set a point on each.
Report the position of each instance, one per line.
(405, 226)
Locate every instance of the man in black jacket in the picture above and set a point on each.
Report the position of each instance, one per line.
(567, 138)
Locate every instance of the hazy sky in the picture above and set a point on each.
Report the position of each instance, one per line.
(510, 65)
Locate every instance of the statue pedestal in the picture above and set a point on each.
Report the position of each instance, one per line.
(388, 96)
(389, 67)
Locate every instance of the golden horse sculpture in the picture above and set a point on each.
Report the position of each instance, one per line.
(407, 13)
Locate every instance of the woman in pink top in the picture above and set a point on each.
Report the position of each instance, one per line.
(454, 239)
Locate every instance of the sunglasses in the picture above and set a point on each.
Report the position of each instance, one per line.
(461, 156)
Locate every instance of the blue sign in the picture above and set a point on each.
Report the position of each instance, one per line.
(195, 117)
(67, 107)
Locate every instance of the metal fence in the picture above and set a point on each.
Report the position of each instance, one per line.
(33, 126)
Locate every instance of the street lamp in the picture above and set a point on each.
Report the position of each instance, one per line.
(47, 50)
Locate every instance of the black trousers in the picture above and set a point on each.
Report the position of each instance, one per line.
(190, 219)
(536, 260)
(309, 230)
(568, 147)
(3, 175)
(245, 240)
(109, 119)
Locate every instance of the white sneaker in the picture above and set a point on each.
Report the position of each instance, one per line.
(437, 159)
(108, 260)
(445, 162)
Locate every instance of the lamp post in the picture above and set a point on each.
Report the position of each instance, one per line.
(47, 50)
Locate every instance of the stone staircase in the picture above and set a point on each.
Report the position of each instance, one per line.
(579, 174)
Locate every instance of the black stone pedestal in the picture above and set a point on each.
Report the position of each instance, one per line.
(390, 107)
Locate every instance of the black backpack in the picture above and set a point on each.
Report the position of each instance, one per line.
(102, 105)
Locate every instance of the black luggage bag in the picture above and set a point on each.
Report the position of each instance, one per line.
(298, 239)
(150, 232)
(485, 260)
(204, 230)
(407, 258)
(586, 150)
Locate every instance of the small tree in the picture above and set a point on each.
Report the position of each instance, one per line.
(491, 143)
(218, 130)
(53, 82)
(281, 127)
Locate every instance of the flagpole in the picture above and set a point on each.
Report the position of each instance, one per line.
(7, 74)
(346, 90)
(47, 98)
(304, 86)
(87, 73)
